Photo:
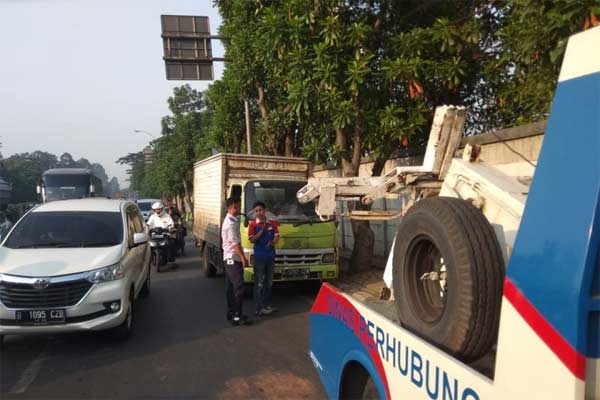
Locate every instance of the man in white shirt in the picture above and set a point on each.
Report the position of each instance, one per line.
(235, 261)
(160, 219)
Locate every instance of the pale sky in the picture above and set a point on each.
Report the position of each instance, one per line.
(82, 75)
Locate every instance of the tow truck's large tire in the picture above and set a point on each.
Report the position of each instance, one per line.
(208, 268)
(449, 234)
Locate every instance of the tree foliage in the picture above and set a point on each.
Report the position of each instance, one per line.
(184, 138)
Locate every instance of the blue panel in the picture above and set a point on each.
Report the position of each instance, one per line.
(334, 345)
(557, 244)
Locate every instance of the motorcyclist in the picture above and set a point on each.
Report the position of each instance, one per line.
(160, 219)
(179, 227)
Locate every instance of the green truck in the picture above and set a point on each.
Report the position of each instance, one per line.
(307, 246)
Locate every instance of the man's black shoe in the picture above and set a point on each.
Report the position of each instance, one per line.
(241, 320)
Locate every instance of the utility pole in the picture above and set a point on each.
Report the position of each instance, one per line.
(248, 132)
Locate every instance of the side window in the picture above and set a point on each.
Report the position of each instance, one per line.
(236, 191)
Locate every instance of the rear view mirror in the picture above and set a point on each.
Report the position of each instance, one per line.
(92, 189)
(140, 238)
(38, 189)
(246, 223)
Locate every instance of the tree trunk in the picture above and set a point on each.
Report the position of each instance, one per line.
(260, 101)
(364, 241)
(364, 238)
(186, 197)
(289, 143)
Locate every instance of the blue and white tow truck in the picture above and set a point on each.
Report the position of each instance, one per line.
(495, 269)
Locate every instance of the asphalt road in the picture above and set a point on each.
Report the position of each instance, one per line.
(182, 347)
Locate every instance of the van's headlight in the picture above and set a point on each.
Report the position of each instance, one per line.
(106, 274)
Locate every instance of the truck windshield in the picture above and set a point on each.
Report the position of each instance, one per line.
(280, 199)
(64, 187)
(55, 229)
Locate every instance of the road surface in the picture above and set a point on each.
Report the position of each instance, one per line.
(182, 348)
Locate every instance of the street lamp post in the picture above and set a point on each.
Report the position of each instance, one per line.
(146, 132)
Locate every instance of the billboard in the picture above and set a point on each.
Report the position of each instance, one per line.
(187, 47)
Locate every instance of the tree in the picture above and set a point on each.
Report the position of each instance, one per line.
(83, 163)
(112, 186)
(532, 39)
(338, 80)
(174, 153)
(24, 172)
(136, 170)
(66, 161)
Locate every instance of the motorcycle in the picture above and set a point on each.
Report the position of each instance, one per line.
(160, 245)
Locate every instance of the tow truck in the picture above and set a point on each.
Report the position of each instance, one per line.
(495, 269)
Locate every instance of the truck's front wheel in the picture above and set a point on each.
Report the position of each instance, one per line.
(448, 274)
(209, 269)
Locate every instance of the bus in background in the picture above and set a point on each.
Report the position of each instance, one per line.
(69, 183)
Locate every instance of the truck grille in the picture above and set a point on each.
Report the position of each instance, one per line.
(56, 295)
(296, 260)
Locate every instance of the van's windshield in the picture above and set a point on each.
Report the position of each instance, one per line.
(67, 229)
(280, 200)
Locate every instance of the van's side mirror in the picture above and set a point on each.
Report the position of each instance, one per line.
(139, 238)
(38, 189)
(92, 189)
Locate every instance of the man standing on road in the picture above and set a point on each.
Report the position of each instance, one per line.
(264, 234)
(235, 261)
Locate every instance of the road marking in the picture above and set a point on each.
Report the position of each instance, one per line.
(29, 375)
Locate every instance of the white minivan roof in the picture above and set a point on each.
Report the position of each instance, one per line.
(88, 204)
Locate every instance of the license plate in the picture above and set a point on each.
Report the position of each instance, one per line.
(297, 273)
(41, 317)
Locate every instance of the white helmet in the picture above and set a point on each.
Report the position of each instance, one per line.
(158, 205)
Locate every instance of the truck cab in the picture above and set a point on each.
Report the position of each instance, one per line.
(307, 246)
(68, 183)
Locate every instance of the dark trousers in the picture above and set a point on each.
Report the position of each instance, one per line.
(263, 281)
(234, 281)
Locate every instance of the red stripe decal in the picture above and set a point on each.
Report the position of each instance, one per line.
(569, 356)
(321, 306)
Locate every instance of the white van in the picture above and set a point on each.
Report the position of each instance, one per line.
(74, 265)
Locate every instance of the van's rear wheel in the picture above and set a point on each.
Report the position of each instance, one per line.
(448, 274)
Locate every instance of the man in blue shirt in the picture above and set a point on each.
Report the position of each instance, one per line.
(264, 234)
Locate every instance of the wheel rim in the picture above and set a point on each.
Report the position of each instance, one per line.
(428, 280)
